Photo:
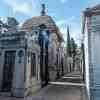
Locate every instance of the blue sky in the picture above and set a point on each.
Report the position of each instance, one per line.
(64, 12)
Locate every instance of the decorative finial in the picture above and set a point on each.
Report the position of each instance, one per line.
(43, 13)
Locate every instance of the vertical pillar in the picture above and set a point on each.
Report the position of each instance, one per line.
(19, 81)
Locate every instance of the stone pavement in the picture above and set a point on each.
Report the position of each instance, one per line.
(55, 91)
(69, 87)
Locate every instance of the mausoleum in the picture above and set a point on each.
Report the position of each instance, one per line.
(19, 63)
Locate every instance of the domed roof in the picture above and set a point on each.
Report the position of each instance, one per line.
(35, 22)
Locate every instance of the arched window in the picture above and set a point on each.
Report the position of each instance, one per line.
(42, 26)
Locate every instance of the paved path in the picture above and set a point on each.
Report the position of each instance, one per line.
(70, 87)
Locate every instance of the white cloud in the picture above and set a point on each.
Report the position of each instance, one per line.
(92, 3)
(65, 22)
(36, 6)
(75, 28)
(17, 7)
(23, 7)
(63, 1)
(62, 24)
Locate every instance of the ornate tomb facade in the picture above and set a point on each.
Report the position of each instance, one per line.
(91, 36)
(19, 63)
(44, 24)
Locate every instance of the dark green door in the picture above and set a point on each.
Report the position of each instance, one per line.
(8, 69)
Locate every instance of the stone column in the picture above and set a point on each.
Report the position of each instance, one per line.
(19, 77)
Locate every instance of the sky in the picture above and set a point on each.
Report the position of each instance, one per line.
(64, 12)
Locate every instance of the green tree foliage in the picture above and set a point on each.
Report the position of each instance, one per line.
(73, 47)
(68, 43)
(73, 50)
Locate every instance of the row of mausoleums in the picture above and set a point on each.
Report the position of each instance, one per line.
(30, 55)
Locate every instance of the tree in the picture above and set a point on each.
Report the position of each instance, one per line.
(68, 43)
(73, 50)
(71, 47)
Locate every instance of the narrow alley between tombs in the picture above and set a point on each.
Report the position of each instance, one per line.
(69, 87)
(48, 51)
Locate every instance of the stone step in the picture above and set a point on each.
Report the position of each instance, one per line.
(77, 77)
(67, 83)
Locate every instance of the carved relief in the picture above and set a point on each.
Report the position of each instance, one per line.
(29, 54)
(20, 55)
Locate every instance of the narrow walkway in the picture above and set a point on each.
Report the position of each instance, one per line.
(69, 87)
(73, 79)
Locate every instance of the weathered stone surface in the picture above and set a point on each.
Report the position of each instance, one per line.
(92, 53)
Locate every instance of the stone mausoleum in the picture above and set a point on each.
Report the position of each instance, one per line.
(19, 61)
(30, 55)
(91, 36)
(45, 24)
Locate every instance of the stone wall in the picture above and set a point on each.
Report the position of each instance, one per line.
(92, 57)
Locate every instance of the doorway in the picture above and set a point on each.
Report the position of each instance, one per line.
(33, 65)
(8, 69)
